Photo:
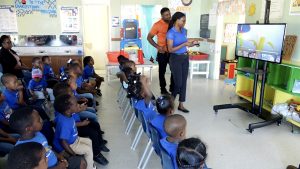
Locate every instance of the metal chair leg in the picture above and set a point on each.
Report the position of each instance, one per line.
(144, 154)
(125, 110)
(130, 124)
(137, 137)
(148, 157)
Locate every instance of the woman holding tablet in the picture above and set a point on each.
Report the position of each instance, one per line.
(179, 60)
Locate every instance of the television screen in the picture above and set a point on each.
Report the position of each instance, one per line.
(260, 41)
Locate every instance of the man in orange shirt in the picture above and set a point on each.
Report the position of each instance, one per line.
(160, 30)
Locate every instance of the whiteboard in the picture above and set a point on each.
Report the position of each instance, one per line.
(8, 19)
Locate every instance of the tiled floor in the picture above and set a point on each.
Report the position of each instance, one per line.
(230, 146)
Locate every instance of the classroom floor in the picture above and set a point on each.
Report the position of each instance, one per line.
(230, 146)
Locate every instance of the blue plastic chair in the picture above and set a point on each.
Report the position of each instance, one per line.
(167, 162)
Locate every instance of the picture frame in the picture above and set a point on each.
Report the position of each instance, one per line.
(295, 7)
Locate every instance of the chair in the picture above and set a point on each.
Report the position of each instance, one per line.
(155, 139)
(167, 162)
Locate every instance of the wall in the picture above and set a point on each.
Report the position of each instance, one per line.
(293, 23)
(42, 24)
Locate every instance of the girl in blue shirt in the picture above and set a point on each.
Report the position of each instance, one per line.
(89, 72)
(177, 44)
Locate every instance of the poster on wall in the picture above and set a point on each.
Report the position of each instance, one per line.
(70, 21)
(42, 6)
(8, 19)
(230, 33)
(276, 10)
(295, 7)
(115, 21)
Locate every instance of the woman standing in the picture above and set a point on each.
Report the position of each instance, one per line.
(11, 62)
(179, 60)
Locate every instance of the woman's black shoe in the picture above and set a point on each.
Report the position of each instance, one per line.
(104, 149)
(184, 110)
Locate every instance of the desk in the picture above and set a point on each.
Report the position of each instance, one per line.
(196, 64)
(115, 65)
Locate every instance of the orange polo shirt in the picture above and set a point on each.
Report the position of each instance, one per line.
(160, 29)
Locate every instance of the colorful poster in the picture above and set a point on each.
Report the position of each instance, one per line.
(70, 21)
(230, 33)
(42, 6)
(8, 19)
(295, 7)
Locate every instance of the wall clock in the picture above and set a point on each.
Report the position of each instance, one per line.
(186, 2)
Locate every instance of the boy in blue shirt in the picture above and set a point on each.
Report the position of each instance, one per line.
(5, 112)
(48, 73)
(27, 122)
(175, 127)
(89, 72)
(37, 85)
(165, 107)
(66, 135)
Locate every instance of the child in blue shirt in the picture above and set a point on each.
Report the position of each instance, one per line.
(37, 85)
(175, 127)
(27, 122)
(89, 72)
(5, 112)
(191, 153)
(66, 134)
(32, 154)
(165, 107)
(48, 73)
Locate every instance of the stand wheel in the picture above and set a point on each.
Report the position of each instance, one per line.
(250, 130)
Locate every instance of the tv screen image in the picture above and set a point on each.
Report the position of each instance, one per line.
(260, 41)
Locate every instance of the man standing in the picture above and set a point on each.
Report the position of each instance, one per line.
(160, 30)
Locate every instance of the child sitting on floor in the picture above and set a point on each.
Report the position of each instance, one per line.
(66, 133)
(37, 63)
(165, 107)
(27, 156)
(175, 127)
(5, 113)
(191, 154)
(89, 73)
(27, 122)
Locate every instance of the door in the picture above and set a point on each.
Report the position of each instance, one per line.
(96, 33)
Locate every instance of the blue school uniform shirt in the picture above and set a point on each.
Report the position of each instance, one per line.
(147, 110)
(88, 72)
(5, 111)
(158, 124)
(65, 130)
(171, 149)
(79, 81)
(178, 39)
(48, 72)
(12, 97)
(37, 86)
(40, 138)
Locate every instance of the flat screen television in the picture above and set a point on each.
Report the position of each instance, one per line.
(260, 41)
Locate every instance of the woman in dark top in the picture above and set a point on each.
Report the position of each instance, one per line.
(179, 59)
(10, 61)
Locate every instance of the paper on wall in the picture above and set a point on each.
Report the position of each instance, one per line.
(276, 10)
(8, 19)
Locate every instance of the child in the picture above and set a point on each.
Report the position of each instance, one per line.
(66, 134)
(165, 107)
(175, 127)
(89, 72)
(191, 154)
(37, 85)
(5, 112)
(27, 122)
(37, 63)
(48, 73)
(64, 88)
(27, 156)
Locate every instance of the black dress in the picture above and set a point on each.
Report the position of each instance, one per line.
(8, 62)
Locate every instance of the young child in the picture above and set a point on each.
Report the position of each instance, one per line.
(175, 127)
(37, 63)
(27, 122)
(37, 85)
(64, 88)
(27, 156)
(89, 72)
(48, 73)
(165, 107)
(66, 134)
(5, 113)
(191, 154)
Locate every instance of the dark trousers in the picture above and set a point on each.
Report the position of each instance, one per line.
(163, 60)
(92, 131)
(179, 65)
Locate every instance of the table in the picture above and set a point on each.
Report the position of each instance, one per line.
(196, 64)
(113, 65)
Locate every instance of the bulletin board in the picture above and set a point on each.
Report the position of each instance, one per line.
(8, 19)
